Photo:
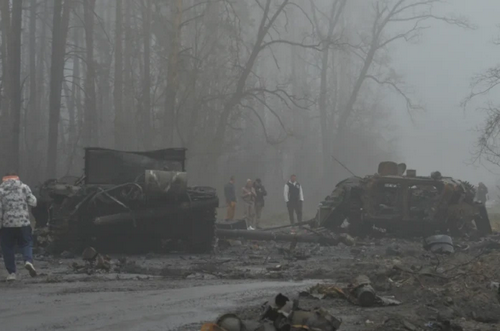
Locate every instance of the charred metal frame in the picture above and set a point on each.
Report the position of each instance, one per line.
(165, 155)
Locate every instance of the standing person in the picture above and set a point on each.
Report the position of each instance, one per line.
(482, 192)
(230, 194)
(248, 195)
(15, 227)
(294, 197)
(260, 192)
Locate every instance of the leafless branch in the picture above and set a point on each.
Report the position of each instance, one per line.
(269, 140)
(410, 105)
(482, 84)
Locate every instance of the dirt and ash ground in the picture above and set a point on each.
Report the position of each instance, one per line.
(181, 291)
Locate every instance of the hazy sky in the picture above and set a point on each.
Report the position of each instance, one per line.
(439, 69)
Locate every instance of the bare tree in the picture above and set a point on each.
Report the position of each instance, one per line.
(90, 133)
(488, 144)
(146, 127)
(11, 80)
(118, 88)
(5, 25)
(60, 28)
(333, 18)
(172, 74)
(129, 107)
(15, 81)
(263, 41)
(34, 112)
(412, 14)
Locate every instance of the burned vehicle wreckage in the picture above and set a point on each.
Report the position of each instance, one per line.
(127, 201)
(403, 204)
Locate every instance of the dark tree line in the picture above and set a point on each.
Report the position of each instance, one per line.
(253, 88)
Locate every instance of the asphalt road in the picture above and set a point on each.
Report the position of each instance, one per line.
(127, 305)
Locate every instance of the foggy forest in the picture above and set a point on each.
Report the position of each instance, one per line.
(230, 165)
(252, 88)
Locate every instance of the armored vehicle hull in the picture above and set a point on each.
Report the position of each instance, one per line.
(128, 202)
(403, 204)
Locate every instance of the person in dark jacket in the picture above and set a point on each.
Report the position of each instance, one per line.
(294, 197)
(260, 192)
(230, 194)
(482, 193)
(15, 226)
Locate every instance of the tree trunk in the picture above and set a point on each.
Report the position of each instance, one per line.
(76, 91)
(74, 107)
(33, 116)
(15, 79)
(172, 75)
(5, 25)
(325, 141)
(342, 123)
(130, 138)
(5, 134)
(75, 120)
(264, 26)
(118, 91)
(40, 142)
(59, 35)
(336, 11)
(146, 94)
(90, 123)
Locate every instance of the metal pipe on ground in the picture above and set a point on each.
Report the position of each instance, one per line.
(310, 222)
(150, 214)
(274, 236)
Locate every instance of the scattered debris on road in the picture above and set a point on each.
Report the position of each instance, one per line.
(279, 314)
(93, 262)
(323, 238)
(360, 293)
(440, 244)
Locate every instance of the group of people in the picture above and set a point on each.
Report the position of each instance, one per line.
(15, 225)
(252, 195)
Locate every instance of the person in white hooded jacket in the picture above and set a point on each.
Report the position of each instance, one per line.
(15, 226)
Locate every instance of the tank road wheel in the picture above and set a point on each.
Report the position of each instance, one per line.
(64, 236)
(201, 230)
(202, 236)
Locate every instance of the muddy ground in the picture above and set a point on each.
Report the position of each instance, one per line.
(178, 291)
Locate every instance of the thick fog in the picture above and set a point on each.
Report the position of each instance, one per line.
(440, 68)
(252, 88)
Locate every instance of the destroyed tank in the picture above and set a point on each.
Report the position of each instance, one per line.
(396, 200)
(126, 201)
